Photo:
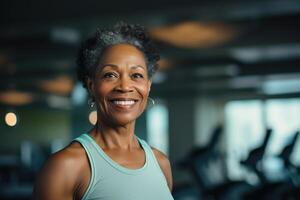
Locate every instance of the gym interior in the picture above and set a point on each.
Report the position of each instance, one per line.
(227, 91)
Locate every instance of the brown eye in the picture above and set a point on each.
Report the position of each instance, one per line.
(110, 75)
(137, 75)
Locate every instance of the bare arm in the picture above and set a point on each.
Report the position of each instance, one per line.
(165, 166)
(58, 178)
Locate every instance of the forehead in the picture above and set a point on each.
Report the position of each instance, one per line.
(120, 53)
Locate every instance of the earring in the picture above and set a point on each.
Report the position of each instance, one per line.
(91, 102)
(151, 100)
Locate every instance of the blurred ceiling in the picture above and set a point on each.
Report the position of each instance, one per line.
(225, 47)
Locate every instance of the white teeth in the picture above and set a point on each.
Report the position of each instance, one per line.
(125, 103)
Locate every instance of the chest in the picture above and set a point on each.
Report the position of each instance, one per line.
(113, 184)
(131, 160)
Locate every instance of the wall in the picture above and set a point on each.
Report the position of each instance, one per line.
(41, 126)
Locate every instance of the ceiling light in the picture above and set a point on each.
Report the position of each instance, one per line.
(281, 86)
(195, 34)
(15, 98)
(62, 85)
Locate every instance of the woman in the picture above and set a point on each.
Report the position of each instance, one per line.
(110, 162)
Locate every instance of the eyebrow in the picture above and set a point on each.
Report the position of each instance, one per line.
(116, 66)
(138, 66)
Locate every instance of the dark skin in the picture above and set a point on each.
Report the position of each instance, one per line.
(120, 87)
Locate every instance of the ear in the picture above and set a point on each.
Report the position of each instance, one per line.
(149, 85)
(90, 86)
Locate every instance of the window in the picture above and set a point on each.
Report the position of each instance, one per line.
(244, 131)
(157, 126)
(246, 122)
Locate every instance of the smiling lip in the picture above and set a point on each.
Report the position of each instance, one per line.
(123, 104)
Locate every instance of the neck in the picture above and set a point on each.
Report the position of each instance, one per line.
(119, 137)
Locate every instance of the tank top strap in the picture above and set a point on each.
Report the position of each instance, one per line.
(154, 161)
(90, 151)
(148, 150)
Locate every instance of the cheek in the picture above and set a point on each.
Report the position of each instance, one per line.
(144, 91)
(102, 90)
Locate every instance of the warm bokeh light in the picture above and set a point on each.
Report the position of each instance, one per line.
(195, 34)
(11, 119)
(15, 98)
(61, 85)
(93, 117)
(164, 64)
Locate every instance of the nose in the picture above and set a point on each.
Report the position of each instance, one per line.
(124, 84)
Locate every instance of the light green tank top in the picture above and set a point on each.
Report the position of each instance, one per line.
(111, 181)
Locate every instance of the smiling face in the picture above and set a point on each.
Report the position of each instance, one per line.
(121, 85)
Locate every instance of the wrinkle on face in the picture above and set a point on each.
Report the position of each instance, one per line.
(123, 63)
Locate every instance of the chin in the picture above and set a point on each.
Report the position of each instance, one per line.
(122, 122)
(123, 119)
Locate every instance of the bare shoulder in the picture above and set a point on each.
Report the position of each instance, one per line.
(67, 160)
(161, 157)
(61, 173)
(165, 166)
